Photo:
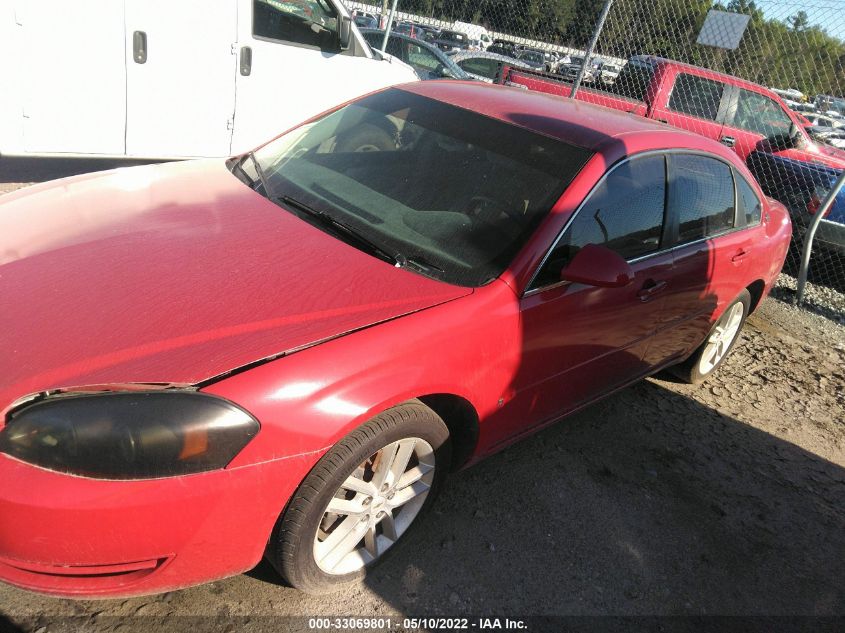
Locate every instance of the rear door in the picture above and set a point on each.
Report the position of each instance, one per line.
(712, 250)
(74, 80)
(180, 65)
(695, 103)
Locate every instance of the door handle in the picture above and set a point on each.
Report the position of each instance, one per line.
(246, 61)
(139, 47)
(730, 141)
(740, 255)
(651, 288)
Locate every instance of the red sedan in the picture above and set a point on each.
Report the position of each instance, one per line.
(284, 354)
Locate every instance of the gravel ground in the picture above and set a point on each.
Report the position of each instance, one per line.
(664, 499)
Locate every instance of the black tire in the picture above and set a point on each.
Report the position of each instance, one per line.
(291, 547)
(690, 370)
(366, 138)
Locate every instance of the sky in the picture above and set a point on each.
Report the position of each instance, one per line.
(829, 14)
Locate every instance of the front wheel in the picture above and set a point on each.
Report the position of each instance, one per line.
(361, 498)
(718, 344)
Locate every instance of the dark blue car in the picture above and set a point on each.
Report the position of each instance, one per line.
(802, 187)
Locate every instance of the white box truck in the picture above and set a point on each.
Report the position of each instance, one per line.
(475, 32)
(175, 78)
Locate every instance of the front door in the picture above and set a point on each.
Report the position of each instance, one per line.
(579, 341)
(181, 67)
(292, 68)
(755, 121)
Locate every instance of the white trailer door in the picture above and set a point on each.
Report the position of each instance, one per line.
(73, 76)
(180, 77)
(289, 69)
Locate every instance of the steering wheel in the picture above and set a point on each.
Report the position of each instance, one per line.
(486, 210)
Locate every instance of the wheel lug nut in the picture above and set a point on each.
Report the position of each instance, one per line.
(367, 501)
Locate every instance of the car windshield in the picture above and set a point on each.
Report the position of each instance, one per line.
(448, 192)
(532, 56)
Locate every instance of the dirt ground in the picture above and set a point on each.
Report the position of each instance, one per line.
(665, 499)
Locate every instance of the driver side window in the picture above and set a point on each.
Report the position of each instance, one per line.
(761, 115)
(480, 66)
(308, 22)
(625, 213)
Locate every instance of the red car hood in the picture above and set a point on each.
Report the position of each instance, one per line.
(174, 273)
(834, 153)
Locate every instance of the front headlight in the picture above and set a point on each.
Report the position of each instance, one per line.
(131, 435)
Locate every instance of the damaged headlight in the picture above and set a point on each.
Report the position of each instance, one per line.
(129, 435)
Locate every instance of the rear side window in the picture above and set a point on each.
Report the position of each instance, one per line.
(749, 204)
(307, 22)
(624, 213)
(701, 196)
(696, 96)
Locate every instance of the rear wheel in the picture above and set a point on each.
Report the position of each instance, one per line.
(718, 344)
(361, 498)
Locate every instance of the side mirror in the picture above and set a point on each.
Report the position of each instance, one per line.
(344, 32)
(789, 140)
(596, 265)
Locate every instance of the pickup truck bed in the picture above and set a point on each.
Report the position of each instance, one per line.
(553, 84)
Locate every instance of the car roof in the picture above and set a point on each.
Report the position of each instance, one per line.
(712, 74)
(590, 126)
(486, 55)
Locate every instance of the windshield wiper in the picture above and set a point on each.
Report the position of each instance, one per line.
(261, 177)
(237, 168)
(417, 263)
(339, 229)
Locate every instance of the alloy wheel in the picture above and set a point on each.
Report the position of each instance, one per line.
(374, 506)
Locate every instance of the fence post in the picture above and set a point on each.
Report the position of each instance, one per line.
(807, 247)
(389, 24)
(599, 26)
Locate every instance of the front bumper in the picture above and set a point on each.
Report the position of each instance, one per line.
(71, 536)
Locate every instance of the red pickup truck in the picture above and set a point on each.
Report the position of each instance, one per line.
(740, 114)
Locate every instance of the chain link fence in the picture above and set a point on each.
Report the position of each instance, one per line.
(765, 77)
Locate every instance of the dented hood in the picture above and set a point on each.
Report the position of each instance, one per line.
(174, 273)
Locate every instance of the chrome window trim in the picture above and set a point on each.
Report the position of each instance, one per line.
(662, 152)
